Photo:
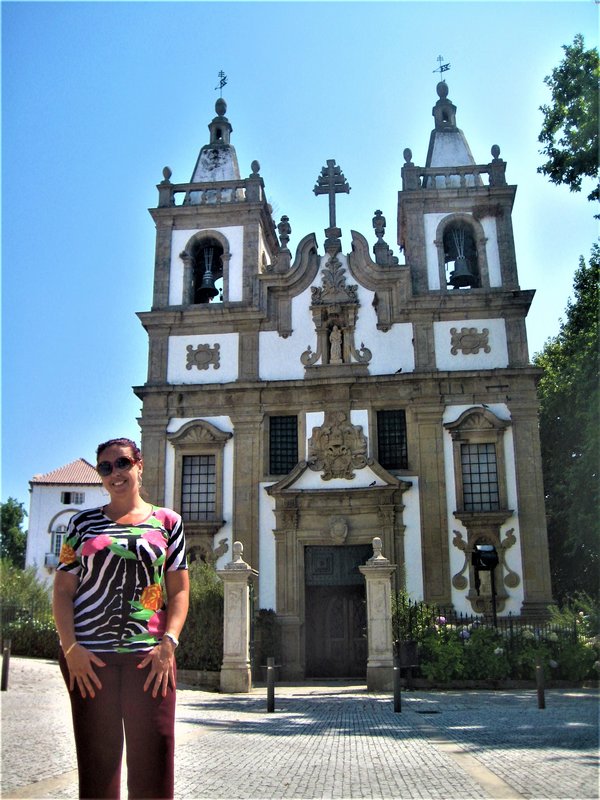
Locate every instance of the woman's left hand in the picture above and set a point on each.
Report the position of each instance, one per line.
(162, 673)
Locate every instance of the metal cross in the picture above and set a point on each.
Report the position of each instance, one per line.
(331, 181)
(442, 67)
(222, 81)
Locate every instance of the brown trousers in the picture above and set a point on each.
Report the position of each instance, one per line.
(121, 710)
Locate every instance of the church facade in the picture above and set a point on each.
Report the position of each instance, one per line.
(304, 403)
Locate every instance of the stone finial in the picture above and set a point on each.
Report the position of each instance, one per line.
(378, 558)
(284, 228)
(495, 151)
(238, 560)
(255, 167)
(220, 107)
(379, 224)
(407, 156)
(167, 172)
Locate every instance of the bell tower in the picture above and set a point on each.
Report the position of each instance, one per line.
(455, 228)
(214, 236)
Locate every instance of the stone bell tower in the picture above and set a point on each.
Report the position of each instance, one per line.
(455, 228)
(214, 235)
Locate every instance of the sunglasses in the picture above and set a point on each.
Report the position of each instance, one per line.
(105, 468)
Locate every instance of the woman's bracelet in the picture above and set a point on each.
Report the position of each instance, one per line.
(68, 650)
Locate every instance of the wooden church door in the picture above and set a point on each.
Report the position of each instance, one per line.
(335, 613)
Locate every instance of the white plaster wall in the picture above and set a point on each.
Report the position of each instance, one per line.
(497, 358)
(431, 222)
(513, 554)
(491, 250)
(224, 424)
(227, 372)
(47, 513)
(392, 350)
(279, 358)
(179, 240)
(267, 589)
(413, 556)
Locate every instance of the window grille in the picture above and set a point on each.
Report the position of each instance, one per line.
(391, 439)
(480, 477)
(198, 487)
(283, 444)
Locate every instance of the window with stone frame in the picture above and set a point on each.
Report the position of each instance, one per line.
(392, 449)
(479, 463)
(198, 478)
(283, 444)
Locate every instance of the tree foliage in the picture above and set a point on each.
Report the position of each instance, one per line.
(13, 541)
(570, 437)
(570, 128)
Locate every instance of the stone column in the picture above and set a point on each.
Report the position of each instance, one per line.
(378, 576)
(236, 674)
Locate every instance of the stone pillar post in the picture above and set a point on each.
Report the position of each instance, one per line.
(236, 674)
(378, 576)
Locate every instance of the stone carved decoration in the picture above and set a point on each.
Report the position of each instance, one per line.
(203, 356)
(334, 289)
(337, 447)
(203, 551)
(284, 229)
(198, 432)
(338, 529)
(469, 341)
(506, 576)
(335, 344)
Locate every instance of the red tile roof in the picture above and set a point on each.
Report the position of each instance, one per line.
(79, 472)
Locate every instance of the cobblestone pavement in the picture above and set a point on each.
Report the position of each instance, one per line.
(335, 741)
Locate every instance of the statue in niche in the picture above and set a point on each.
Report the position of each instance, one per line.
(335, 342)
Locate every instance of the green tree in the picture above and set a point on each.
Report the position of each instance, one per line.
(13, 541)
(570, 128)
(570, 437)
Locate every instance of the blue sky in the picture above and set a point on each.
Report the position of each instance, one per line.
(98, 97)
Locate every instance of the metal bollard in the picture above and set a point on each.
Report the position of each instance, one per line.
(270, 685)
(539, 680)
(397, 686)
(5, 664)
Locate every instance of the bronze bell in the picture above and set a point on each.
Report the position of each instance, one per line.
(207, 289)
(462, 275)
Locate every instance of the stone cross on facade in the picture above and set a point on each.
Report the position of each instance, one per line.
(331, 181)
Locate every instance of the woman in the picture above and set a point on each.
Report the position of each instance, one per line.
(118, 631)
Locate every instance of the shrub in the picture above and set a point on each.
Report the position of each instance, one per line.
(485, 655)
(442, 657)
(202, 637)
(32, 637)
(267, 637)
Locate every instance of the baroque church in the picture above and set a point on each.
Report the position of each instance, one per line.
(304, 403)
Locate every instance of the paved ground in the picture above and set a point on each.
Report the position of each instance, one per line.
(335, 741)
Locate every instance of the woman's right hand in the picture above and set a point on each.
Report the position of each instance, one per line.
(81, 662)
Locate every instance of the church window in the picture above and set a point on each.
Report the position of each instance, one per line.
(480, 477)
(392, 452)
(460, 256)
(283, 444)
(207, 275)
(198, 487)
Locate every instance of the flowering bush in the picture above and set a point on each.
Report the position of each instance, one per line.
(485, 656)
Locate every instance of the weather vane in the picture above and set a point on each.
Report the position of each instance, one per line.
(222, 81)
(442, 67)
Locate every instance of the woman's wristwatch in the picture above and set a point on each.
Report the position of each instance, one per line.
(174, 639)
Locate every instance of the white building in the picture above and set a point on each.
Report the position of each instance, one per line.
(54, 498)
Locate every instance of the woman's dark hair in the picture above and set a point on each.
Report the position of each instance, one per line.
(122, 442)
